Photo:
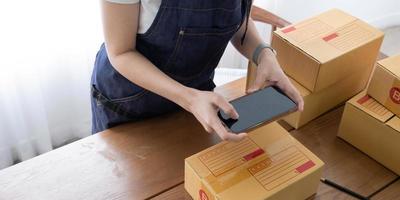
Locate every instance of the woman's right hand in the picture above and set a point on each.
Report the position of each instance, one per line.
(204, 105)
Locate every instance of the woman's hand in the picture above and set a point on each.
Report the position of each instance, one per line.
(204, 105)
(269, 72)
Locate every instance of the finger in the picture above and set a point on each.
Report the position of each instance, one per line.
(300, 104)
(269, 83)
(294, 94)
(257, 84)
(235, 137)
(205, 125)
(241, 135)
(287, 87)
(225, 106)
(225, 135)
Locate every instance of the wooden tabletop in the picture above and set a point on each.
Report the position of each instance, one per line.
(145, 160)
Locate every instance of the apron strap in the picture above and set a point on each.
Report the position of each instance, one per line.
(115, 107)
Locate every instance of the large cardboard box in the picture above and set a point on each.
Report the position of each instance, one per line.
(269, 164)
(373, 129)
(385, 84)
(320, 51)
(317, 103)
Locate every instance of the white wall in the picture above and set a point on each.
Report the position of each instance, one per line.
(380, 13)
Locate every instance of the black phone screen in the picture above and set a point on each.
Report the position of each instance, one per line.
(261, 106)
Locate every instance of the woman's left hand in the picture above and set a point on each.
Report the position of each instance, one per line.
(269, 72)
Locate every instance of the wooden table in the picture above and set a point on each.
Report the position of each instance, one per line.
(145, 160)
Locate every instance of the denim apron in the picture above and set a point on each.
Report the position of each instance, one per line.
(185, 41)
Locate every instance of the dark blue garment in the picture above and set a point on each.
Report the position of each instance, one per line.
(185, 41)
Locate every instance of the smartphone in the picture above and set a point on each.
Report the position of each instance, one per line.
(262, 106)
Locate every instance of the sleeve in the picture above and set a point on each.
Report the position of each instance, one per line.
(124, 1)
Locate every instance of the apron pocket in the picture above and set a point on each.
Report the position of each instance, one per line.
(117, 105)
(130, 98)
(139, 106)
(198, 50)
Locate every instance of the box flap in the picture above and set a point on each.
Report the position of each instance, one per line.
(392, 64)
(367, 104)
(394, 123)
(329, 35)
(200, 170)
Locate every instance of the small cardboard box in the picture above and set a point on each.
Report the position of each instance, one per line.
(317, 103)
(385, 84)
(269, 164)
(327, 48)
(373, 129)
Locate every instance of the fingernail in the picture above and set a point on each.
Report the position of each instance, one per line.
(243, 135)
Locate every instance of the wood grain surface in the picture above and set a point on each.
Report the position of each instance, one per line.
(392, 192)
(131, 161)
(344, 164)
(146, 159)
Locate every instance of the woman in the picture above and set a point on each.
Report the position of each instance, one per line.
(160, 55)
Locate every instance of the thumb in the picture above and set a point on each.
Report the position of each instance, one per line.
(256, 85)
(287, 87)
(225, 106)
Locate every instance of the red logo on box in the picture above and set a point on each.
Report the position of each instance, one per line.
(304, 167)
(288, 30)
(253, 154)
(203, 195)
(363, 99)
(330, 37)
(395, 95)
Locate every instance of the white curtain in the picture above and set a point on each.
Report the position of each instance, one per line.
(47, 50)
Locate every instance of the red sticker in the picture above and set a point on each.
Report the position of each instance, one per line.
(305, 166)
(395, 95)
(203, 195)
(363, 99)
(330, 37)
(290, 29)
(253, 154)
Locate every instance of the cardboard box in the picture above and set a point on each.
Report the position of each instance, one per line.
(327, 48)
(269, 164)
(317, 103)
(385, 84)
(373, 129)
